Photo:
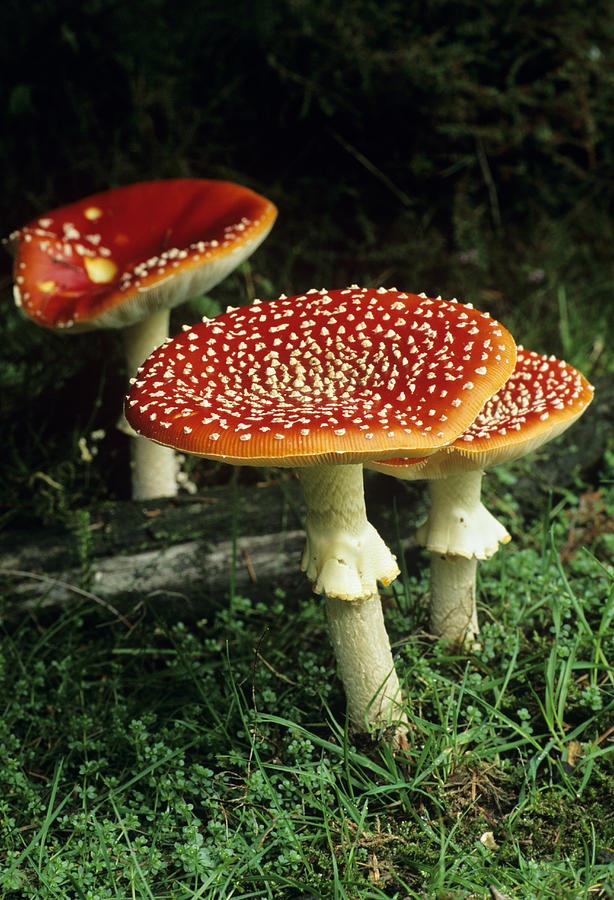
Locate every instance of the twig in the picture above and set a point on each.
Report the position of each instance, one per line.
(248, 564)
(605, 734)
(373, 169)
(274, 671)
(489, 182)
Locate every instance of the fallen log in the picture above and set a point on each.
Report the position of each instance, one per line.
(188, 549)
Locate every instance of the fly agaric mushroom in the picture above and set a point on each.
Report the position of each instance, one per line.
(322, 382)
(541, 399)
(123, 258)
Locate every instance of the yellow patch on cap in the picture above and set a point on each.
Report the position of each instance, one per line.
(47, 287)
(100, 270)
(92, 213)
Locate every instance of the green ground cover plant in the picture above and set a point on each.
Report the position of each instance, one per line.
(142, 756)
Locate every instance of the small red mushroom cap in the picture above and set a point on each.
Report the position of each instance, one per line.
(339, 376)
(539, 401)
(113, 258)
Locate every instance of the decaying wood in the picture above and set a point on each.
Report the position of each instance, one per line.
(187, 570)
(189, 549)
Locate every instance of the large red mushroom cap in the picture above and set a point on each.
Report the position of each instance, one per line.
(340, 376)
(115, 257)
(541, 399)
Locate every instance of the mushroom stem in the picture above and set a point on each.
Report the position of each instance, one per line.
(153, 466)
(453, 608)
(459, 530)
(366, 667)
(142, 338)
(344, 555)
(458, 522)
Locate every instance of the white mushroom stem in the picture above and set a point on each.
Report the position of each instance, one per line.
(142, 338)
(458, 522)
(344, 555)
(366, 667)
(459, 530)
(453, 608)
(153, 466)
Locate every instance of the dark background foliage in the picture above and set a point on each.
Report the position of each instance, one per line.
(462, 147)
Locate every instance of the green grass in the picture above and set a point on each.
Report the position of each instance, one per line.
(211, 759)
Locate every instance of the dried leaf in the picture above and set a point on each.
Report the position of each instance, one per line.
(574, 753)
(488, 839)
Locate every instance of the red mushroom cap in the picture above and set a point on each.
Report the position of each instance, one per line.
(543, 396)
(113, 258)
(339, 376)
